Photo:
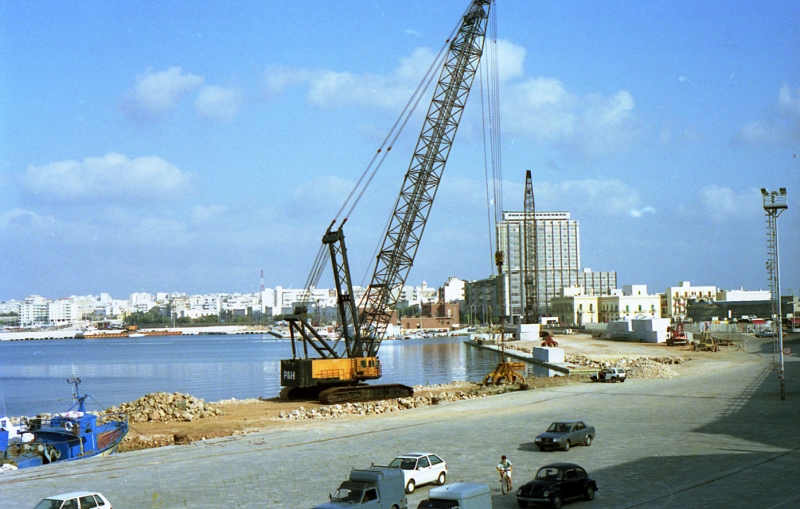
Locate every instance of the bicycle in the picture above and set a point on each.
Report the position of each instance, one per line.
(505, 481)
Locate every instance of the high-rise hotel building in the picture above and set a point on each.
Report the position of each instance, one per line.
(558, 261)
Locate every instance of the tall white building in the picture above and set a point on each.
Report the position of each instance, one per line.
(34, 311)
(557, 252)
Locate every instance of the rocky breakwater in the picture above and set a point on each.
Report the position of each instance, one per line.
(162, 407)
(429, 395)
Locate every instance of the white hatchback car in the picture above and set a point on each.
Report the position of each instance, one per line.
(421, 468)
(75, 500)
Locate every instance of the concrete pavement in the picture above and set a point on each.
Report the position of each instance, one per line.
(718, 438)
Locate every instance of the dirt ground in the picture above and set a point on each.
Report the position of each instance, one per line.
(245, 416)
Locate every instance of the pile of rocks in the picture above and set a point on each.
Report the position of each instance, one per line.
(393, 405)
(164, 406)
(638, 367)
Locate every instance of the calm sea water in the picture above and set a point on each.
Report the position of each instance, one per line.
(33, 373)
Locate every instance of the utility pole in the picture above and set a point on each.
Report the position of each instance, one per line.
(775, 203)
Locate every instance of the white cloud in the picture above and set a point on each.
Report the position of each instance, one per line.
(723, 203)
(539, 108)
(333, 89)
(203, 214)
(612, 198)
(25, 220)
(511, 59)
(641, 212)
(278, 78)
(157, 93)
(218, 103)
(780, 127)
(112, 178)
(787, 102)
(543, 109)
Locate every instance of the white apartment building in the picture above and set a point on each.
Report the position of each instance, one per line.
(673, 303)
(743, 295)
(141, 302)
(632, 302)
(453, 290)
(419, 295)
(575, 307)
(34, 311)
(63, 312)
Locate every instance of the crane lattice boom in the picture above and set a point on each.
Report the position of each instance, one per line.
(424, 174)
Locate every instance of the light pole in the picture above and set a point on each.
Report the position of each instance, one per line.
(774, 203)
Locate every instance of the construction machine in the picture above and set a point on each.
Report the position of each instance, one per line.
(676, 335)
(336, 370)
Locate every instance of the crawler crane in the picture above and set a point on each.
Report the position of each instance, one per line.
(338, 374)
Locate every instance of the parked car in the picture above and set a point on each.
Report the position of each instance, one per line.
(565, 434)
(421, 468)
(610, 375)
(369, 488)
(75, 500)
(555, 484)
(765, 333)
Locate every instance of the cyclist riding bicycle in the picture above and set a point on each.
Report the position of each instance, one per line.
(505, 467)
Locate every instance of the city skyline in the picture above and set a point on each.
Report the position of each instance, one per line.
(186, 148)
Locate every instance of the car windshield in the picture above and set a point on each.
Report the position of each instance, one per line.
(48, 503)
(349, 492)
(404, 463)
(549, 473)
(348, 495)
(559, 427)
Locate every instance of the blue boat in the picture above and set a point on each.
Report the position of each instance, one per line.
(69, 436)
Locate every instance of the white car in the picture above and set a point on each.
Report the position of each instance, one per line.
(75, 500)
(421, 468)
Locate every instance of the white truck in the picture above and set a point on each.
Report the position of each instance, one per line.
(370, 488)
(464, 495)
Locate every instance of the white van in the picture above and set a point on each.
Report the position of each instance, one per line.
(463, 495)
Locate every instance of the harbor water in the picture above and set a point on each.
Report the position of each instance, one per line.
(33, 374)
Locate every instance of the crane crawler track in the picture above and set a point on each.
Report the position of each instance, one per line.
(353, 393)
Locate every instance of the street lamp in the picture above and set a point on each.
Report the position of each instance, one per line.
(775, 203)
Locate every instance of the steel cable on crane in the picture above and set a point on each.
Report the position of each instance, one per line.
(321, 260)
(490, 101)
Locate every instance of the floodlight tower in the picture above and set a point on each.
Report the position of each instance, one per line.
(774, 204)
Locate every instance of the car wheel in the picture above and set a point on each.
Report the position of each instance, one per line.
(441, 479)
(410, 487)
(556, 501)
(621, 379)
(541, 448)
(566, 445)
(522, 503)
(589, 493)
(588, 440)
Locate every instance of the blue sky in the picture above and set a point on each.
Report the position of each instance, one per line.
(185, 146)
